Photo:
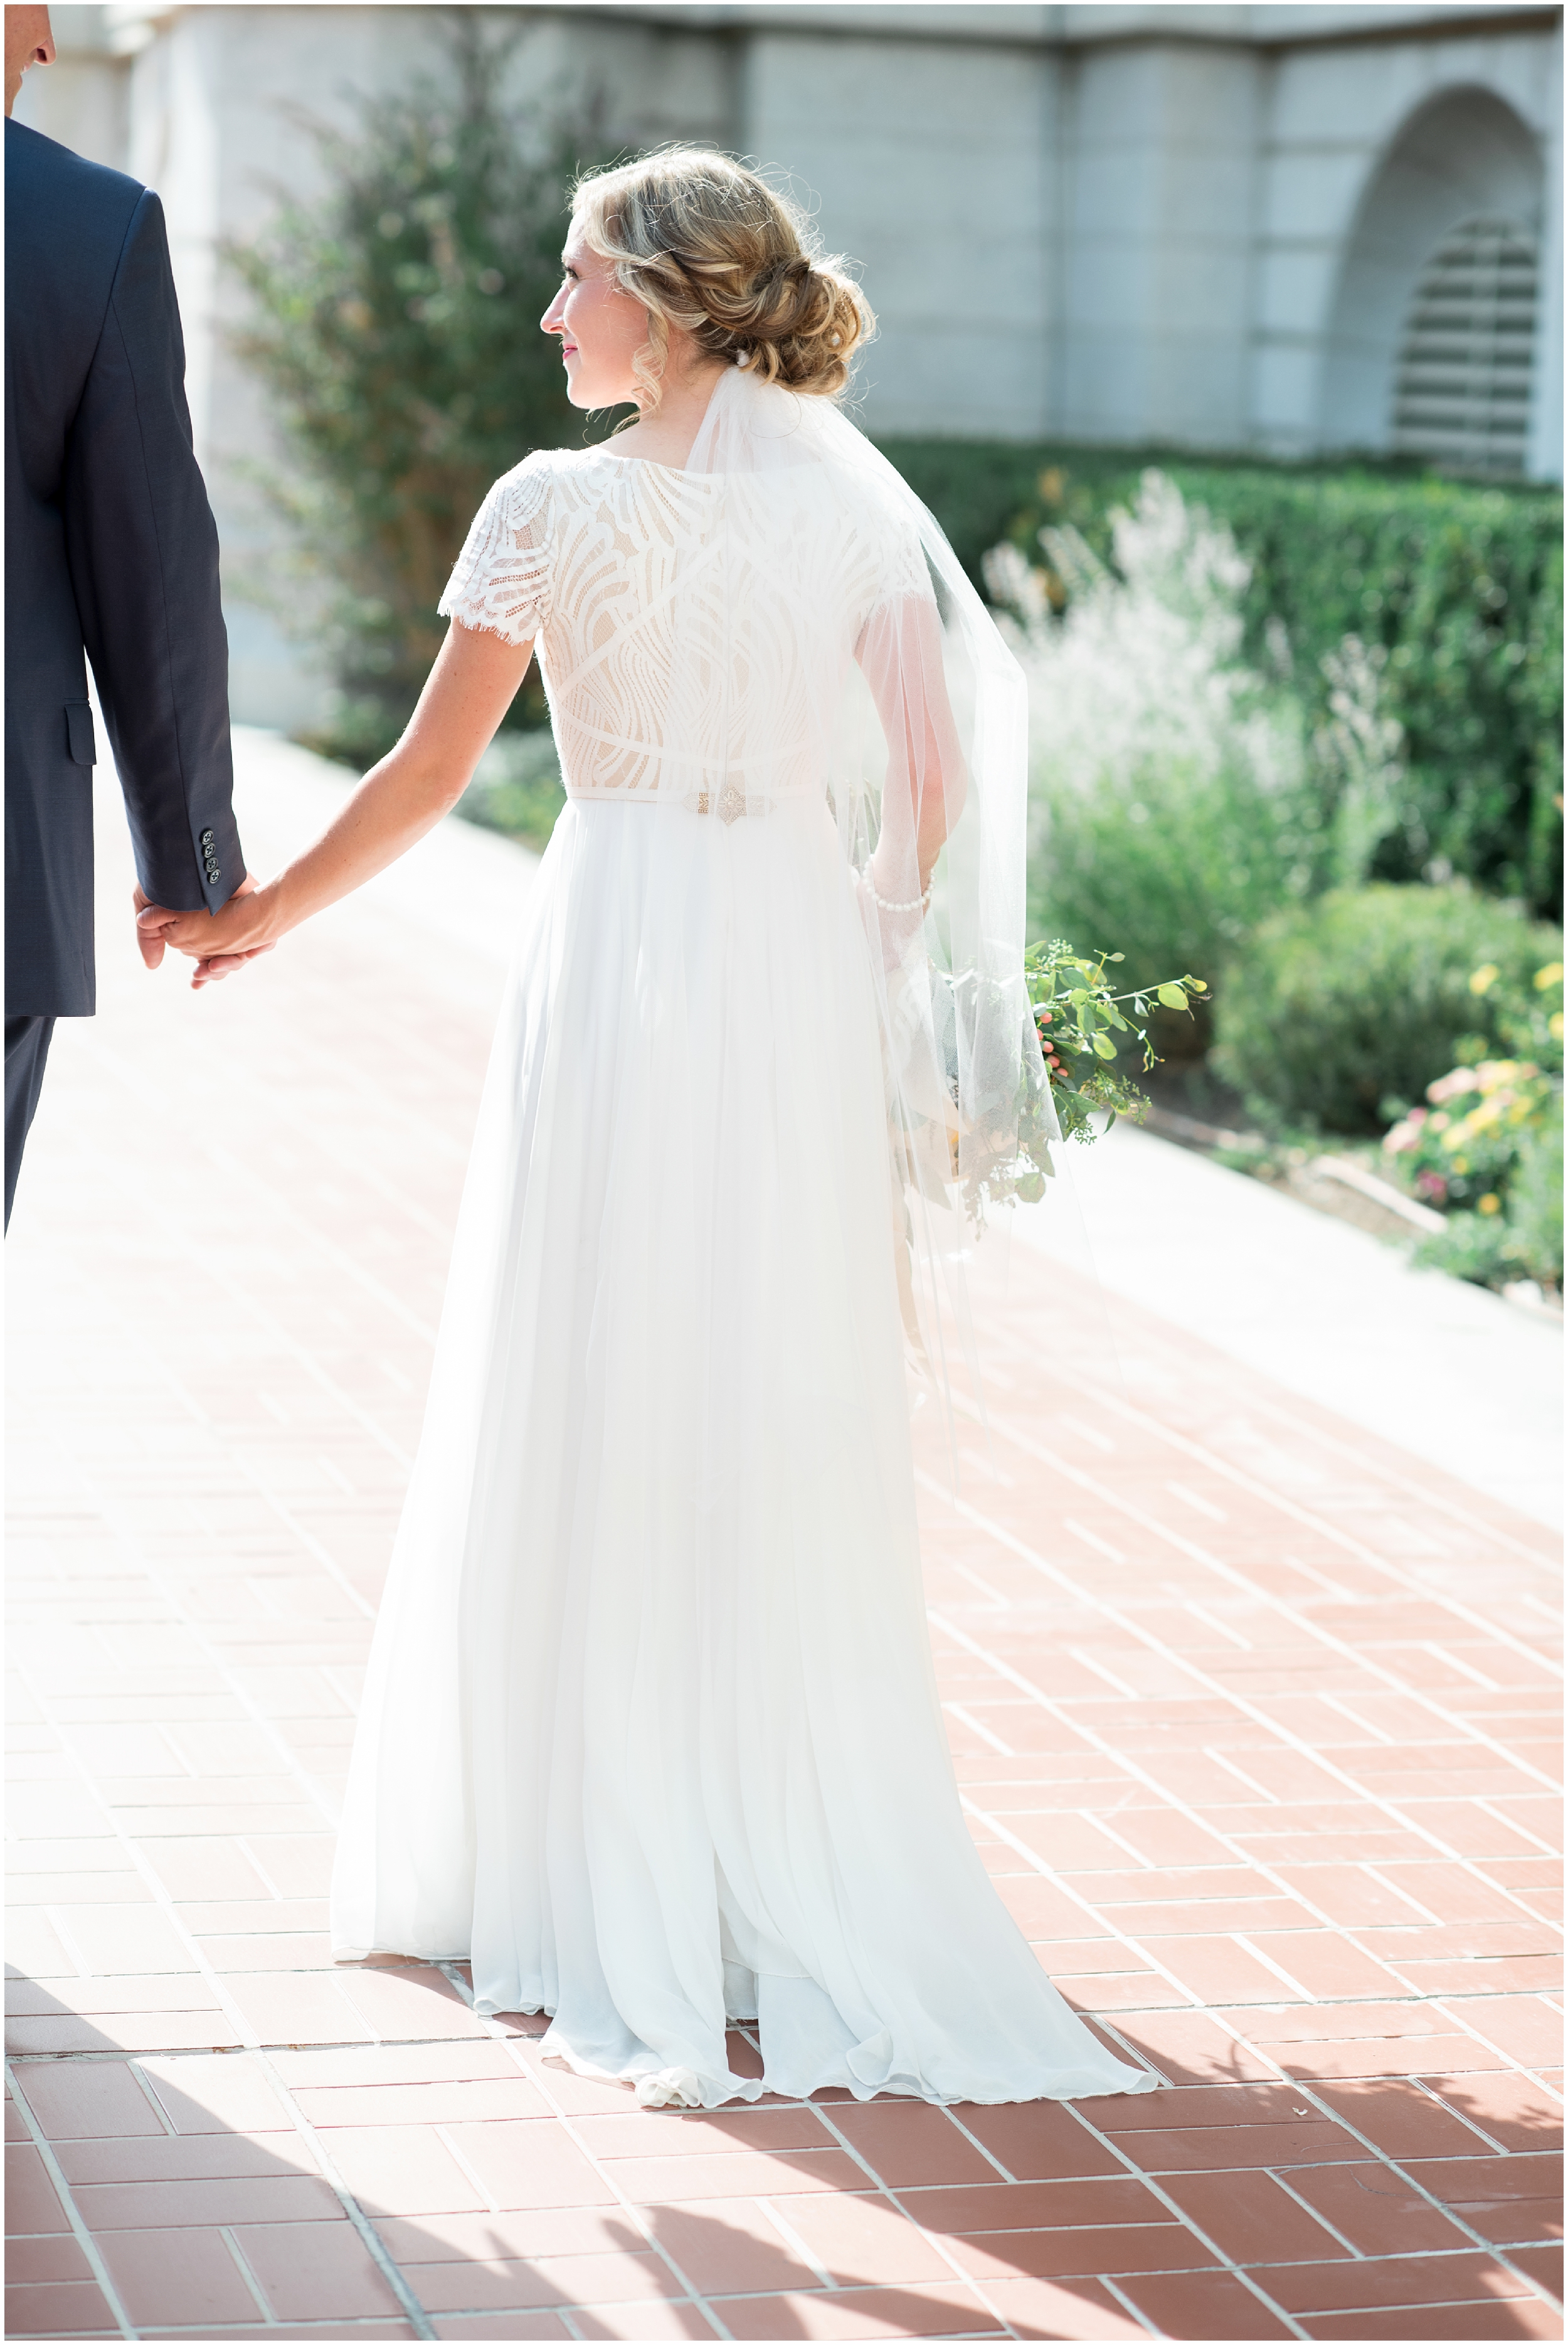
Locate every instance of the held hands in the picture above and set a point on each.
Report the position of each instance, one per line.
(465, 697)
(218, 942)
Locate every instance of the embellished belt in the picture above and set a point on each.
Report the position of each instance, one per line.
(729, 804)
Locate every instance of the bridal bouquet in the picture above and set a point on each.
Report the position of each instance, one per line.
(1079, 1018)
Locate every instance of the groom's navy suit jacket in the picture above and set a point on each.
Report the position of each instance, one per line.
(111, 551)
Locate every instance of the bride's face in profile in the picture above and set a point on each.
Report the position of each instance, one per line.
(602, 328)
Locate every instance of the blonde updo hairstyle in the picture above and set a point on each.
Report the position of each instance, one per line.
(707, 247)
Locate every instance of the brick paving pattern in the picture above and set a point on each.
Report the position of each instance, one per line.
(1253, 1716)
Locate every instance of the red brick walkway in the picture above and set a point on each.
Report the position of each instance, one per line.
(1254, 1717)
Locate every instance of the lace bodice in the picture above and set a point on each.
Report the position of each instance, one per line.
(782, 620)
(690, 627)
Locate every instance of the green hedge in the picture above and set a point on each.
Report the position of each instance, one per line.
(1463, 584)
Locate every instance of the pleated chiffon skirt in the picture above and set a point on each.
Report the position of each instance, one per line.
(651, 1732)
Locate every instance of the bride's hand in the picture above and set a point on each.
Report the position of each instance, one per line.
(217, 943)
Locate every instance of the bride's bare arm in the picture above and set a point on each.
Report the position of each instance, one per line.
(900, 654)
(466, 694)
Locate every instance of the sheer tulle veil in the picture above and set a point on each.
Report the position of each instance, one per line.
(923, 736)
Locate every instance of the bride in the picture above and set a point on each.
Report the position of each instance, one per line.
(651, 1733)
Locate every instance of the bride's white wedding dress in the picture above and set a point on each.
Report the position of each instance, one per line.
(651, 1731)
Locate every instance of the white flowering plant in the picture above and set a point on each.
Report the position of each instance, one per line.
(1178, 795)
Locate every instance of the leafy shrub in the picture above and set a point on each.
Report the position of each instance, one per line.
(1488, 1252)
(1459, 587)
(1177, 795)
(396, 327)
(1365, 995)
(1526, 1018)
(1535, 1205)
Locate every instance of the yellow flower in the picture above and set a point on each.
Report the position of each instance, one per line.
(1460, 1164)
(1545, 978)
(1555, 1025)
(1489, 1203)
(1484, 978)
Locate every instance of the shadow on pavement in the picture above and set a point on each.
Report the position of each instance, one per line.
(206, 2207)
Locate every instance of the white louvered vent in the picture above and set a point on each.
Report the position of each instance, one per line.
(1462, 387)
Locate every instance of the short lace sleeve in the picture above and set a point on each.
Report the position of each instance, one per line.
(500, 582)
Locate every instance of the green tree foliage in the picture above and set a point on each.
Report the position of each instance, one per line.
(1457, 587)
(395, 325)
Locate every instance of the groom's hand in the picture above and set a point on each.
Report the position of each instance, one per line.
(148, 941)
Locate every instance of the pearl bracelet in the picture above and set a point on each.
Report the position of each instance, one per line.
(920, 903)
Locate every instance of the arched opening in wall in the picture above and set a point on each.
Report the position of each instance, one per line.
(1463, 379)
(1431, 341)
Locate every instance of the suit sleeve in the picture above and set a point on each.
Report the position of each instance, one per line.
(142, 546)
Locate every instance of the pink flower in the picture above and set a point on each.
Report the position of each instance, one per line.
(1432, 1186)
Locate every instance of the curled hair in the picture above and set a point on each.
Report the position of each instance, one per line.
(708, 247)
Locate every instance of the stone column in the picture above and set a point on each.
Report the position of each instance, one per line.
(926, 161)
(1162, 142)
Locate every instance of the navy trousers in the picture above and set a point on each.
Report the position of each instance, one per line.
(28, 1043)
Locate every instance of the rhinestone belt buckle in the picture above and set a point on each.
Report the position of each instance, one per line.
(731, 805)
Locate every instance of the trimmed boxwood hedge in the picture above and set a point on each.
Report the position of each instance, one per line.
(1461, 583)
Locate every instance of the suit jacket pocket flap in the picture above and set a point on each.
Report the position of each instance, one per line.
(80, 733)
